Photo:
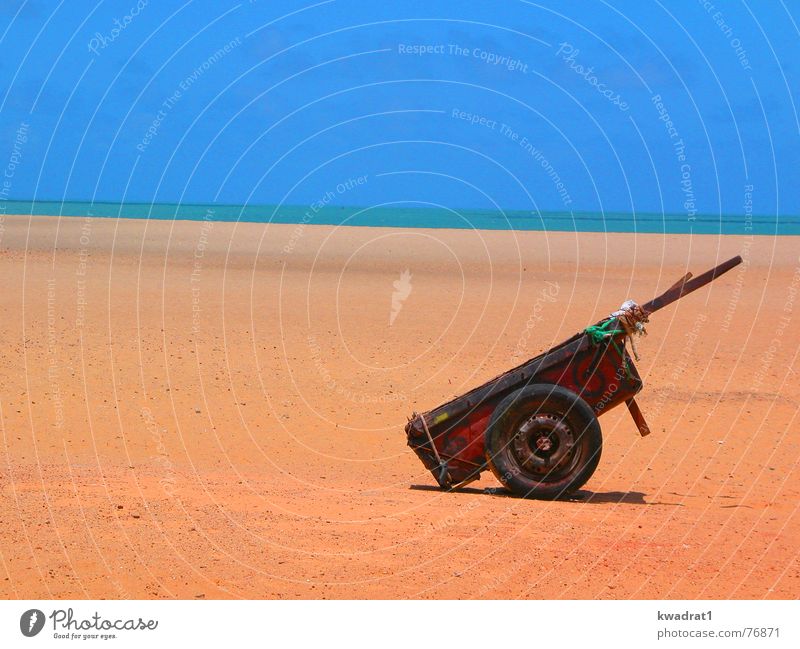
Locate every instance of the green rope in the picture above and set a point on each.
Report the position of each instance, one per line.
(599, 333)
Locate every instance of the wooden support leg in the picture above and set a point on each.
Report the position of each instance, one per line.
(638, 417)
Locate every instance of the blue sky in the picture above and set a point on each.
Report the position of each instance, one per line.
(587, 106)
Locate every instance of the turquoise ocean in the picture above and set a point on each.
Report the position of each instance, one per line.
(417, 217)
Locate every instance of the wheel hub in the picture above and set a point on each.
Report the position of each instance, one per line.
(542, 443)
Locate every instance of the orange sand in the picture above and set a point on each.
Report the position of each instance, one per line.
(215, 410)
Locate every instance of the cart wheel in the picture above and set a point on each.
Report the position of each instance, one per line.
(543, 441)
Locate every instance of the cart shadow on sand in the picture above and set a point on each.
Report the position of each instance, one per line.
(583, 496)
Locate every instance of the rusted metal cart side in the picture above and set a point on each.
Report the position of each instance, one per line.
(535, 427)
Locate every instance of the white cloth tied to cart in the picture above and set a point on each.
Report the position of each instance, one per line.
(632, 318)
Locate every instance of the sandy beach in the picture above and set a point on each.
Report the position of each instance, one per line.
(216, 410)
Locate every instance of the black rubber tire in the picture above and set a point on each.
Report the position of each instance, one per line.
(544, 404)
